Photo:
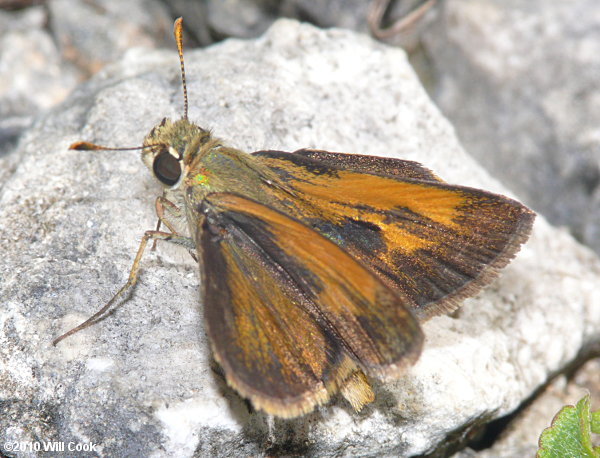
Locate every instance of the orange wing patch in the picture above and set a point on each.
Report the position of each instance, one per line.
(359, 196)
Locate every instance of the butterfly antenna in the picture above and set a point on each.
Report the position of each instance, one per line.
(178, 32)
(87, 146)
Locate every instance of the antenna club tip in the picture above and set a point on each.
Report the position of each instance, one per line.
(177, 26)
(84, 146)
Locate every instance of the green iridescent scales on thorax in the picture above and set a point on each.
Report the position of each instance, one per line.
(201, 178)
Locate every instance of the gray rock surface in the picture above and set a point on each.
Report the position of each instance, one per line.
(91, 34)
(140, 383)
(519, 80)
(31, 77)
(250, 18)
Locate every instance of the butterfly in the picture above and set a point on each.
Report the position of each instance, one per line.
(317, 268)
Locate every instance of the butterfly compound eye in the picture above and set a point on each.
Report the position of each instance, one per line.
(166, 168)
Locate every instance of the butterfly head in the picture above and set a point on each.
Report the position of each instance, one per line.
(170, 146)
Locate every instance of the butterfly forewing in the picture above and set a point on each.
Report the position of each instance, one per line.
(433, 242)
(366, 164)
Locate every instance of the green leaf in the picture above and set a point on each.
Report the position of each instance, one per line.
(596, 422)
(570, 433)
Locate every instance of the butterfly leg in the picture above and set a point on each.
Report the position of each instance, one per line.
(177, 239)
(173, 212)
(161, 205)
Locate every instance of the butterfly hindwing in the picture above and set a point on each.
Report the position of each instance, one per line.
(433, 242)
(289, 313)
